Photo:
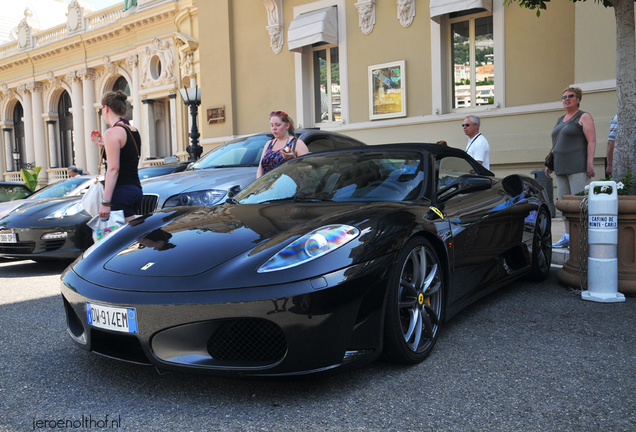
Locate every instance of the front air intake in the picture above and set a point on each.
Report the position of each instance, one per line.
(248, 340)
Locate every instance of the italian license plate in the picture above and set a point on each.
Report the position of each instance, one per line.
(8, 238)
(112, 318)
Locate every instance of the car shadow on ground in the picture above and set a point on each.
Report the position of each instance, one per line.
(19, 268)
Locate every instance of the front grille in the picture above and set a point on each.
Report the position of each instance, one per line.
(119, 346)
(148, 204)
(17, 248)
(248, 340)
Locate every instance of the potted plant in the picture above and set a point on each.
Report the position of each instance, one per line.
(574, 208)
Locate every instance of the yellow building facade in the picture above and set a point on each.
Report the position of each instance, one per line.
(379, 70)
(52, 80)
(263, 55)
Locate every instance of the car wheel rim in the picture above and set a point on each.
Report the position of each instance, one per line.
(543, 242)
(419, 301)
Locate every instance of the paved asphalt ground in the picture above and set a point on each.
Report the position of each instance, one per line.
(531, 357)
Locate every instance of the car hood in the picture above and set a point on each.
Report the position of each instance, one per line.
(32, 211)
(6, 207)
(222, 247)
(195, 180)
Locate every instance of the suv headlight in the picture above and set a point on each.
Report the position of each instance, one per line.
(197, 198)
(68, 210)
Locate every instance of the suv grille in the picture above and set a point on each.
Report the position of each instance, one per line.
(148, 204)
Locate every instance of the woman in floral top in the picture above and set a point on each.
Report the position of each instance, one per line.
(283, 147)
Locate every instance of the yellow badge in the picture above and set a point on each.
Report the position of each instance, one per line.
(438, 211)
(420, 298)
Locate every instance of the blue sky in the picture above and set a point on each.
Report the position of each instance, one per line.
(101, 4)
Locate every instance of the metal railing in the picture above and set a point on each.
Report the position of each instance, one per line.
(91, 22)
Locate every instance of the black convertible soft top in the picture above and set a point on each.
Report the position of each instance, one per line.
(434, 149)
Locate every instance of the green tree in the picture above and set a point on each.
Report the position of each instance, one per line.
(625, 146)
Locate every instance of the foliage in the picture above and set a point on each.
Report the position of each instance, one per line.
(30, 178)
(623, 186)
(541, 4)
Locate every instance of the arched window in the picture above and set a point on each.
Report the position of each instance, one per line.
(18, 131)
(66, 155)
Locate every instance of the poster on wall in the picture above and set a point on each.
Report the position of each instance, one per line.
(387, 92)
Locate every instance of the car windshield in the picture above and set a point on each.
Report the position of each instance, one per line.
(242, 152)
(359, 176)
(9, 192)
(157, 171)
(60, 189)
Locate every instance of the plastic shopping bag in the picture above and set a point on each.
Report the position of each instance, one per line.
(92, 199)
(103, 227)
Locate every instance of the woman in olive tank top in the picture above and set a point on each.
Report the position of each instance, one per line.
(573, 145)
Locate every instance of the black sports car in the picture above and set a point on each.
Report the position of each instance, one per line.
(327, 262)
(51, 223)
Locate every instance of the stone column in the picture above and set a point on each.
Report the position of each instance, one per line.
(133, 63)
(148, 130)
(78, 120)
(53, 147)
(29, 151)
(90, 121)
(9, 165)
(173, 123)
(39, 136)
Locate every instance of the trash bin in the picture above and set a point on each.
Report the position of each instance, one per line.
(546, 182)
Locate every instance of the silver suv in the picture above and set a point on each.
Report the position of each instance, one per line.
(232, 165)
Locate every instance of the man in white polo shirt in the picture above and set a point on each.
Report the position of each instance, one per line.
(477, 146)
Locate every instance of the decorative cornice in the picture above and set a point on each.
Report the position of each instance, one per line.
(75, 14)
(132, 61)
(109, 66)
(275, 24)
(54, 82)
(86, 74)
(7, 93)
(155, 19)
(22, 89)
(366, 12)
(35, 87)
(163, 53)
(72, 77)
(406, 12)
(187, 47)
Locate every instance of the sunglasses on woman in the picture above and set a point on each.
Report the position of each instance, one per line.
(280, 114)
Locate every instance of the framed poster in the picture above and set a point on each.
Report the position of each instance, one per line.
(387, 91)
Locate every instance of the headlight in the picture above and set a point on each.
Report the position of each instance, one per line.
(66, 211)
(310, 246)
(198, 198)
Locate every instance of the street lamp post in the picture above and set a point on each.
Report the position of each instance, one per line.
(16, 159)
(192, 98)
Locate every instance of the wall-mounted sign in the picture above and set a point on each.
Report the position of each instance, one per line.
(216, 115)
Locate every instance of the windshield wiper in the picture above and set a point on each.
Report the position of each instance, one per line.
(230, 166)
(309, 199)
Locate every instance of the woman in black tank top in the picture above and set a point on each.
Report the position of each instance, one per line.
(122, 189)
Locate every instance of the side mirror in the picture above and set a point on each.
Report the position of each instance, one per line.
(233, 191)
(463, 185)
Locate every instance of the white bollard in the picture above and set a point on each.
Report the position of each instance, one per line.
(602, 263)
